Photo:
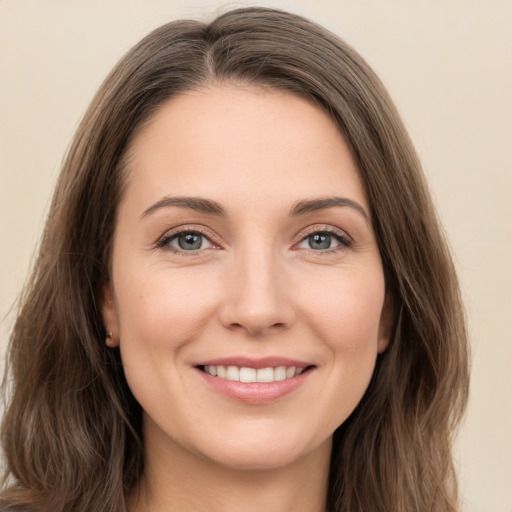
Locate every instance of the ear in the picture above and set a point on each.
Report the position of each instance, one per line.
(109, 315)
(387, 320)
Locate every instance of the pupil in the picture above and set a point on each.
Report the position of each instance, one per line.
(320, 241)
(190, 241)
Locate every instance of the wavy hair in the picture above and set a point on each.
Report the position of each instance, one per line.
(71, 432)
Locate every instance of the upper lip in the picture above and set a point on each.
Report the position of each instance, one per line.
(248, 362)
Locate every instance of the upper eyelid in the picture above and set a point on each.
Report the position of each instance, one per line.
(174, 232)
(325, 228)
(344, 239)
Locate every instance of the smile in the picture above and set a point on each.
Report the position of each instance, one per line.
(248, 374)
(255, 381)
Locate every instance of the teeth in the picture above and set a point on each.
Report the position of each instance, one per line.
(280, 373)
(212, 370)
(232, 373)
(265, 375)
(246, 374)
(290, 372)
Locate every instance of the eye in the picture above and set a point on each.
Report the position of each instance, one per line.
(323, 241)
(185, 241)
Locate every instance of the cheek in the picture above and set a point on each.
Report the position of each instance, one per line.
(346, 309)
(159, 310)
(158, 317)
(346, 320)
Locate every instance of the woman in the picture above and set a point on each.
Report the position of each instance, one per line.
(242, 288)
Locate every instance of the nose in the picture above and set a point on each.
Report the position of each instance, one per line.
(257, 295)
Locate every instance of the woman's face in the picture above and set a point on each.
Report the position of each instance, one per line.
(247, 290)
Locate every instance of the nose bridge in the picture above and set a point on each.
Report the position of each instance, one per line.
(257, 293)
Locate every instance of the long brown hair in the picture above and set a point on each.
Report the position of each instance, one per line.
(72, 430)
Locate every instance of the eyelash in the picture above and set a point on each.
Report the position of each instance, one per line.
(343, 239)
(164, 242)
(339, 236)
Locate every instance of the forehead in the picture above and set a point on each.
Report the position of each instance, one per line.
(240, 144)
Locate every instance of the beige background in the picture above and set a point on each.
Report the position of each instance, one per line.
(448, 65)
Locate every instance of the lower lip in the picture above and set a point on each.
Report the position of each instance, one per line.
(255, 392)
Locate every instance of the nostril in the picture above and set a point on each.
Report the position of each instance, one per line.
(258, 329)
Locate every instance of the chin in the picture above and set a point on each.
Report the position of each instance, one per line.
(264, 453)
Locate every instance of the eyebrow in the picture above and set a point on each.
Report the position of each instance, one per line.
(193, 203)
(313, 205)
(210, 207)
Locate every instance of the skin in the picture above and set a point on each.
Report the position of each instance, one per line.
(255, 288)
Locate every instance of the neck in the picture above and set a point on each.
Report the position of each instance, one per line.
(176, 480)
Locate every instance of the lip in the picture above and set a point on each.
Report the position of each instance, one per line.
(263, 362)
(255, 393)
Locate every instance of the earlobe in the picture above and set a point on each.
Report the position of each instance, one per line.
(386, 323)
(109, 315)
